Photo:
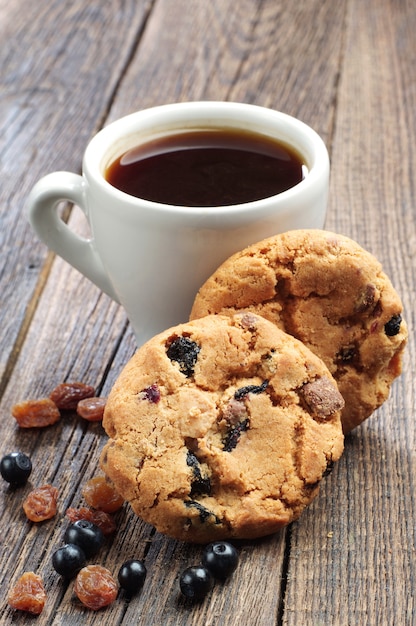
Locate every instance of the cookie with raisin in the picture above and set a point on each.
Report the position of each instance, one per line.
(327, 291)
(222, 428)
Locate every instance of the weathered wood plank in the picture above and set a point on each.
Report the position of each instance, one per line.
(354, 561)
(357, 539)
(60, 63)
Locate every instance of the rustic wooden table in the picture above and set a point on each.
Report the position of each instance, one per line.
(348, 68)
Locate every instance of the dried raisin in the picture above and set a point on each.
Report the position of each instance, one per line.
(244, 391)
(36, 413)
(91, 409)
(41, 503)
(28, 594)
(392, 327)
(103, 520)
(95, 587)
(67, 395)
(185, 352)
(200, 484)
(151, 393)
(233, 436)
(101, 495)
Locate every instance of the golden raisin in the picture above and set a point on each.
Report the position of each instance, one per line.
(67, 395)
(36, 413)
(95, 587)
(103, 520)
(91, 409)
(28, 594)
(101, 495)
(40, 504)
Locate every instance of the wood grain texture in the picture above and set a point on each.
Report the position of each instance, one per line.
(60, 65)
(346, 68)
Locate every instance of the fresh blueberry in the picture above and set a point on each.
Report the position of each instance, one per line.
(132, 575)
(16, 468)
(86, 535)
(220, 558)
(195, 582)
(68, 560)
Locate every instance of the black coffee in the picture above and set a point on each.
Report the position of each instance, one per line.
(207, 168)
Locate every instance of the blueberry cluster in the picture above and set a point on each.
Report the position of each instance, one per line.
(83, 539)
(219, 560)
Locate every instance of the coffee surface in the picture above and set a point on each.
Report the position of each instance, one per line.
(207, 168)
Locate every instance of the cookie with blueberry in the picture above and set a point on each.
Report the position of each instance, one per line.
(222, 428)
(327, 291)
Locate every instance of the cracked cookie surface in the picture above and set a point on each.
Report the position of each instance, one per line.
(222, 428)
(327, 291)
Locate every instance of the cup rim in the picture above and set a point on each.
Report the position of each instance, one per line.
(110, 142)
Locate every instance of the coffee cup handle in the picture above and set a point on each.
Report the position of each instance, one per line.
(79, 252)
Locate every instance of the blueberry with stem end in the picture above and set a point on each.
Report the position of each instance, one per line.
(220, 558)
(16, 468)
(86, 535)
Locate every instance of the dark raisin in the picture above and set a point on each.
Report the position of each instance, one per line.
(200, 484)
(329, 467)
(67, 395)
(204, 513)
(392, 327)
(244, 391)
(151, 393)
(185, 352)
(347, 354)
(233, 435)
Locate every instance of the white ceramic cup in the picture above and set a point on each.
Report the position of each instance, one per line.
(150, 257)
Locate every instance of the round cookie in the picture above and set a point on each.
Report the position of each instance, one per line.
(327, 291)
(222, 428)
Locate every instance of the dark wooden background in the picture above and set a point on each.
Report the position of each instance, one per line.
(347, 68)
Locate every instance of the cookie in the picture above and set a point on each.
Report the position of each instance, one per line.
(331, 294)
(222, 428)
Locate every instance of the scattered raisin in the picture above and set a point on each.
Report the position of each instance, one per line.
(95, 587)
(91, 409)
(41, 503)
(28, 594)
(185, 352)
(151, 393)
(67, 395)
(36, 413)
(244, 391)
(101, 495)
(392, 327)
(200, 484)
(103, 520)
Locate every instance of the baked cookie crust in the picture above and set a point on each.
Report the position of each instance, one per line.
(222, 428)
(327, 291)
